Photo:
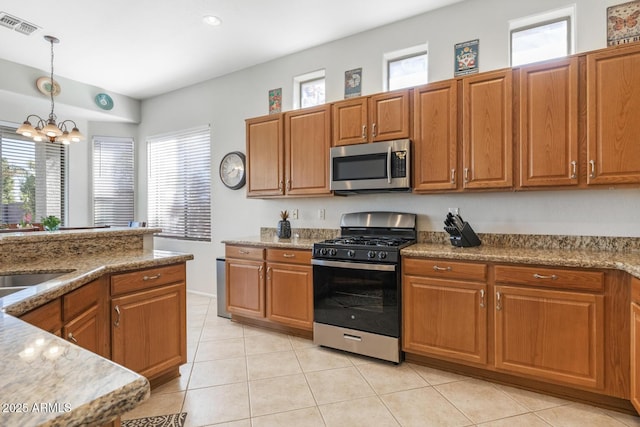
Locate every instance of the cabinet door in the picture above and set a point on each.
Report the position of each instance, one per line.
(613, 108)
(245, 287)
(635, 355)
(389, 116)
(549, 334)
(307, 143)
(549, 124)
(47, 317)
(87, 331)
(445, 318)
(435, 136)
(290, 295)
(265, 156)
(350, 121)
(487, 130)
(149, 331)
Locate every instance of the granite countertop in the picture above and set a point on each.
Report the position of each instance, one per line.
(43, 378)
(275, 242)
(628, 261)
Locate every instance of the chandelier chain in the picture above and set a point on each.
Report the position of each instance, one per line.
(52, 115)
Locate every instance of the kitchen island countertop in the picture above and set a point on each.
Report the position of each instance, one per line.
(44, 379)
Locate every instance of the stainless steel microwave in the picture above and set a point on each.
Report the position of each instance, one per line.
(375, 167)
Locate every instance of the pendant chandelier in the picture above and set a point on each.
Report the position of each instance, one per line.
(50, 130)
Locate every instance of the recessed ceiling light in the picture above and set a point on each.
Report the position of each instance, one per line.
(212, 20)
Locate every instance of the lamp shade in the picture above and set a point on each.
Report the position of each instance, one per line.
(26, 129)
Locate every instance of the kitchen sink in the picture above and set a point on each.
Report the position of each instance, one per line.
(16, 282)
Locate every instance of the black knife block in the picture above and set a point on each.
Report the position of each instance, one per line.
(464, 238)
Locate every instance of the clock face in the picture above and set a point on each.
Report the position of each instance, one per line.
(232, 170)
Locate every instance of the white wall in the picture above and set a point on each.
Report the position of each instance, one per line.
(227, 101)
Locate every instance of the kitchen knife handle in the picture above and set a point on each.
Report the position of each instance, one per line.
(573, 169)
(453, 176)
(364, 131)
(482, 298)
(593, 168)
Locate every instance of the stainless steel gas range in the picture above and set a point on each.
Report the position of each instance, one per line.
(357, 284)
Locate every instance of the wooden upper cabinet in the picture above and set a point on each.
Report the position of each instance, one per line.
(548, 130)
(487, 130)
(350, 122)
(613, 116)
(307, 144)
(435, 136)
(389, 116)
(265, 156)
(381, 117)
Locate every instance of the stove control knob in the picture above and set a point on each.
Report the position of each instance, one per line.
(351, 253)
(382, 255)
(333, 252)
(323, 251)
(371, 254)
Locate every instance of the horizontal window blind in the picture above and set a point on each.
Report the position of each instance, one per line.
(179, 184)
(33, 178)
(113, 181)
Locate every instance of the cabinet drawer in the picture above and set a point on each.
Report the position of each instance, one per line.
(635, 290)
(551, 277)
(147, 278)
(292, 256)
(244, 252)
(47, 317)
(81, 299)
(444, 269)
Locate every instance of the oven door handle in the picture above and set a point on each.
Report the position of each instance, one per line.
(353, 265)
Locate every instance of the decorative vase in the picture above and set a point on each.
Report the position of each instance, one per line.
(283, 231)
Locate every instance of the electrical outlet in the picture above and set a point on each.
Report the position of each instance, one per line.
(454, 211)
(294, 214)
(321, 213)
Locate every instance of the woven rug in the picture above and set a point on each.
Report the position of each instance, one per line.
(173, 420)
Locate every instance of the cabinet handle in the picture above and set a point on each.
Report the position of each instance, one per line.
(482, 298)
(117, 322)
(573, 169)
(260, 271)
(364, 131)
(593, 168)
(289, 255)
(373, 130)
(288, 185)
(269, 273)
(498, 301)
(438, 268)
(453, 176)
(243, 252)
(540, 276)
(281, 187)
(157, 276)
(71, 338)
(466, 175)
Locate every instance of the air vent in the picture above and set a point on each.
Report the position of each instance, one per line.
(20, 25)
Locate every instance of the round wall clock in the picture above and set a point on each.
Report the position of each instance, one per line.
(232, 170)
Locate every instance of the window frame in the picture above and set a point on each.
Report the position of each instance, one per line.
(399, 55)
(301, 79)
(201, 155)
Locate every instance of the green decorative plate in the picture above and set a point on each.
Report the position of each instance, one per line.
(104, 101)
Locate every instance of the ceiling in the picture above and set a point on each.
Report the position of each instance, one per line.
(143, 48)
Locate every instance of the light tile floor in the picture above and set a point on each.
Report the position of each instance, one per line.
(243, 376)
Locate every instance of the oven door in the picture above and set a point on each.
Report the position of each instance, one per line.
(360, 296)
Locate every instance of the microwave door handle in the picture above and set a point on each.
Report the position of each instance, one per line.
(389, 165)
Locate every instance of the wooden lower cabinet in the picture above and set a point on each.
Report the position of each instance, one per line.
(550, 334)
(290, 289)
(47, 317)
(635, 343)
(148, 322)
(245, 293)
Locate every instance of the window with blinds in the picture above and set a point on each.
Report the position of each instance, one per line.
(33, 178)
(113, 181)
(179, 184)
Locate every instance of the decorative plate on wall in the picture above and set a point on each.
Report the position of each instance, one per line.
(45, 87)
(104, 101)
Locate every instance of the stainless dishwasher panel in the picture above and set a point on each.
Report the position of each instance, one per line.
(221, 290)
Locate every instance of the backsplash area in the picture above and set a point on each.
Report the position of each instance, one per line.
(529, 241)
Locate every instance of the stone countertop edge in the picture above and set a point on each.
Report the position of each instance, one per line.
(628, 261)
(91, 233)
(30, 384)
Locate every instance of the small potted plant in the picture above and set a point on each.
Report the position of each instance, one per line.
(283, 231)
(51, 223)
